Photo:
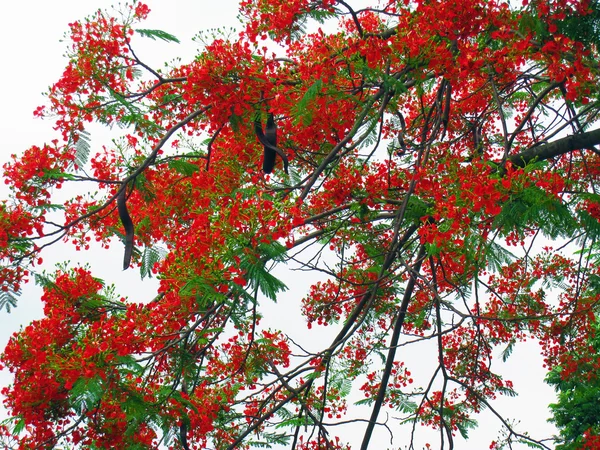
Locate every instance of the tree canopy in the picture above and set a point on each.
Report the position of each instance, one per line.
(432, 164)
(577, 411)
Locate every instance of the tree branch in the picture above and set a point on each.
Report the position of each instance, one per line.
(399, 322)
(556, 148)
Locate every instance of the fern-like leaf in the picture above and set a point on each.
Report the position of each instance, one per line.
(303, 113)
(82, 148)
(157, 34)
(8, 300)
(183, 167)
(150, 256)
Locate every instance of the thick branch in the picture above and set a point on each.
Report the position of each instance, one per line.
(556, 148)
(389, 363)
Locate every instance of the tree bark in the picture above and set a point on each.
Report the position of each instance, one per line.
(556, 148)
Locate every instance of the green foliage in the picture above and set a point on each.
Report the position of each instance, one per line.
(271, 439)
(585, 29)
(498, 256)
(405, 405)
(299, 27)
(531, 444)
(593, 286)
(49, 207)
(507, 391)
(341, 383)
(367, 132)
(86, 393)
(508, 350)
(464, 426)
(56, 174)
(577, 409)
(303, 113)
(235, 121)
(416, 209)
(150, 256)
(8, 300)
(293, 178)
(258, 275)
(157, 34)
(589, 223)
(15, 424)
(365, 401)
(43, 280)
(203, 291)
(21, 245)
(532, 207)
(320, 15)
(82, 148)
(133, 115)
(392, 83)
(578, 27)
(531, 23)
(183, 167)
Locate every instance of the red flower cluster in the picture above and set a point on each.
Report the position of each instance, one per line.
(428, 146)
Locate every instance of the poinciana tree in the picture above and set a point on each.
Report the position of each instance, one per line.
(576, 412)
(434, 163)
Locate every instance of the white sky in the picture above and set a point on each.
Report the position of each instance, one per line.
(32, 60)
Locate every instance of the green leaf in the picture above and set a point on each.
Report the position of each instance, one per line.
(55, 174)
(235, 121)
(530, 444)
(508, 350)
(416, 208)
(49, 207)
(157, 34)
(507, 391)
(135, 115)
(273, 251)
(365, 401)
(8, 300)
(82, 148)
(259, 276)
(533, 207)
(498, 256)
(464, 426)
(256, 272)
(150, 256)
(584, 28)
(303, 112)
(320, 15)
(19, 426)
(393, 83)
(183, 167)
(42, 280)
(295, 422)
(130, 363)
(86, 393)
(405, 405)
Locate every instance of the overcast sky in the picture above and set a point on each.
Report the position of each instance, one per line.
(31, 55)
